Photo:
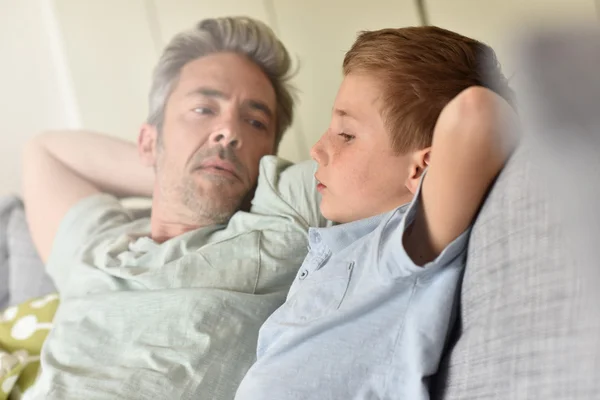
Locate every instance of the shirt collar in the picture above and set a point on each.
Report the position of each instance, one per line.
(338, 237)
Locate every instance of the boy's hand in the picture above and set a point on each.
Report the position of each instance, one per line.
(474, 136)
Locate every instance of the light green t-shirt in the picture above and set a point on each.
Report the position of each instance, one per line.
(177, 320)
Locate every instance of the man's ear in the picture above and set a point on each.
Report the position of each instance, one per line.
(419, 160)
(147, 144)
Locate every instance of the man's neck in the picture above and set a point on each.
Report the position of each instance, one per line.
(167, 223)
(162, 231)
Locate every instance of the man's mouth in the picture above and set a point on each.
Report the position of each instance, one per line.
(219, 167)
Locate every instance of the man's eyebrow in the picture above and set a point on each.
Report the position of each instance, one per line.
(208, 92)
(260, 106)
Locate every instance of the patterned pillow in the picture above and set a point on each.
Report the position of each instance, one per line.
(23, 329)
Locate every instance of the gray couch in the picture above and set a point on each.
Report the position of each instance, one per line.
(22, 273)
(527, 328)
(524, 328)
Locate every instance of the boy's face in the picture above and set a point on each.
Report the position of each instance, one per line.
(359, 174)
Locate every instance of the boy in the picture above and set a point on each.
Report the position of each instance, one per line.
(370, 310)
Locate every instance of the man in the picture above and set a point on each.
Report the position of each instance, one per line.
(169, 307)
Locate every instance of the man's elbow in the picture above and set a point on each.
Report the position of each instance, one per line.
(34, 147)
(30, 156)
(33, 151)
(36, 169)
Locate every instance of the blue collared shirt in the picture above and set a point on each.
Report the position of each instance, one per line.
(361, 320)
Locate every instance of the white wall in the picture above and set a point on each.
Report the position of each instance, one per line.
(499, 23)
(110, 52)
(34, 82)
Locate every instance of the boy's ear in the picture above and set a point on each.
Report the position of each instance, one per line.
(147, 144)
(419, 160)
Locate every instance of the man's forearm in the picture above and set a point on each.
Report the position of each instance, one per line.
(60, 169)
(111, 165)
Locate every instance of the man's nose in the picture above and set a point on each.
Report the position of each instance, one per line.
(228, 134)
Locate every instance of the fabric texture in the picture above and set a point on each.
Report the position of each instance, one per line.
(525, 330)
(22, 274)
(7, 205)
(28, 277)
(361, 320)
(177, 320)
(23, 329)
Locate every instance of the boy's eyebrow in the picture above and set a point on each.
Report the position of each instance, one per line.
(343, 113)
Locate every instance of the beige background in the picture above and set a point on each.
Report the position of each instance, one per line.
(87, 63)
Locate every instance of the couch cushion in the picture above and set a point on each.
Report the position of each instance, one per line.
(525, 330)
(7, 205)
(27, 277)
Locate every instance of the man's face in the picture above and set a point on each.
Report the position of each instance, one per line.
(360, 175)
(219, 121)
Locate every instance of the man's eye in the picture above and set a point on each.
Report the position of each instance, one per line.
(203, 111)
(257, 124)
(346, 137)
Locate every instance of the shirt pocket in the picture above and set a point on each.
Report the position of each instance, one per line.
(319, 292)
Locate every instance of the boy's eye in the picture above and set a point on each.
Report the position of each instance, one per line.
(346, 137)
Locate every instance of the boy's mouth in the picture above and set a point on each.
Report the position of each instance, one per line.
(320, 186)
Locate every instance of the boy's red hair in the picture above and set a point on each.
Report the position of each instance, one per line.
(421, 69)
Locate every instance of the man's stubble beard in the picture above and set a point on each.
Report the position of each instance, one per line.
(187, 199)
(217, 207)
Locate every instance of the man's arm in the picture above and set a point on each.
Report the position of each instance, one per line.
(474, 136)
(61, 168)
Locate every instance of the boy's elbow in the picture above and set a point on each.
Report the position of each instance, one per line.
(486, 126)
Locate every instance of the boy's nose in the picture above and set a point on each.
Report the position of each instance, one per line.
(317, 152)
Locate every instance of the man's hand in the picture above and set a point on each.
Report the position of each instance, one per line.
(474, 136)
(61, 168)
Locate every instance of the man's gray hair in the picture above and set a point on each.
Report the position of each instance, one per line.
(242, 35)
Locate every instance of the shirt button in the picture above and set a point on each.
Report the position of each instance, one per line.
(314, 236)
(303, 274)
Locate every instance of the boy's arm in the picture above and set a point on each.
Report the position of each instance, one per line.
(474, 136)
